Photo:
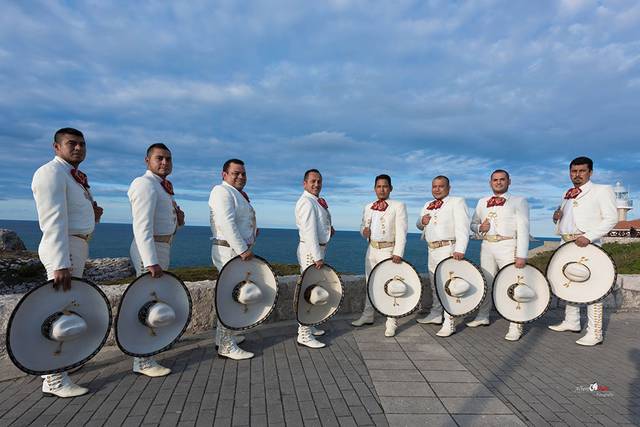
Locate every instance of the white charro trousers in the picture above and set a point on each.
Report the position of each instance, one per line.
(163, 250)
(435, 257)
(373, 257)
(595, 314)
(493, 256)
(305, 259)
(220, 255)
(78, 254)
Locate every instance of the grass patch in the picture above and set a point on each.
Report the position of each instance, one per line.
(196, 274)
(626, 257)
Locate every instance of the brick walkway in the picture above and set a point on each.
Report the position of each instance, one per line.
(361, 378)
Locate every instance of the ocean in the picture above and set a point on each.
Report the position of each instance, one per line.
(192, 246)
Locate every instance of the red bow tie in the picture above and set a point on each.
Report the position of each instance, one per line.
(80, 177)
(322, 202)
(572, 193)
(436, 204)
(245, 195)
(496, 201)
(380, 205)
(168, 187)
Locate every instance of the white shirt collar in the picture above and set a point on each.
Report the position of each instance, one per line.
(63, 162)
(310, 195)
(225, 183)
(149, 173)
(586, 186)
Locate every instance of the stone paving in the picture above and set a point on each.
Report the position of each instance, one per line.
(474, 377)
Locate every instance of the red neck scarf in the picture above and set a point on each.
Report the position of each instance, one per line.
(322, 202)
(166, 184)
(572, 193)
(80, 177)
(496, 201)
(380, 205)
(436, 204)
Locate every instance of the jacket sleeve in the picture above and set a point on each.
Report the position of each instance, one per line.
(522, 228)
(419, 223)
(224, 217)
(608, 213)
(309, 227)
(143, 199)
(364, 223)
(50, 193)
(461, 225)
(477, 219)
(401, 230)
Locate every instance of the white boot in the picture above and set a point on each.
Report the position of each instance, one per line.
(571, 322)
(60, 385)
(306, 338)
(149, 367)
(515, 332)
(316, 332)
(594, 325)
(367, 315)
(435, 314)
(229, 348)
(390, 327)
(448, 326)
(237, 338)
(434, 317)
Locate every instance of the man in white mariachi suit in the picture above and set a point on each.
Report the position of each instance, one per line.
(384, 225)
(444, 222)
(314, 226)
(502, 220)
(586, 214)
(156, 217)
(67, 215)
(233, 225)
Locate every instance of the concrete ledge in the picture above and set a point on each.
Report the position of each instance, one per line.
(625, 297)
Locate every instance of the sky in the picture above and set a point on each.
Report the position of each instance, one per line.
(413, 89)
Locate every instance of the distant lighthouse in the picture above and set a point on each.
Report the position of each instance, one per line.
(623, 203)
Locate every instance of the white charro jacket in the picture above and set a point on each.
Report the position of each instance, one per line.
(594, 210)
(64, 208)
(153, 212)
(508, 220)
(393, 224)
(449, 222)
(232, 217)
(313, 222)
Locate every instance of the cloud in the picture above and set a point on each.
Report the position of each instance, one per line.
(354, 88)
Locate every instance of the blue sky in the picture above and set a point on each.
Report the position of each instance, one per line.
(409, 88)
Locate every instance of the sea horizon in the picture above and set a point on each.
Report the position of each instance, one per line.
(192, 245)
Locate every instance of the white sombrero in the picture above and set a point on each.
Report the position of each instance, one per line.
(521, 295)
(460, 286)
(153, 314)
(246, 293)
(394, 289)
(318, 295)
(53, 331)
(581, 275)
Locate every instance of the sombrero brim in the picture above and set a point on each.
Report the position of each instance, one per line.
(523, 312)
(34, 354)
(465, 269)
(233, 315)
(602, 279)
(383, 303)
(136, 339)
(309, 314)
